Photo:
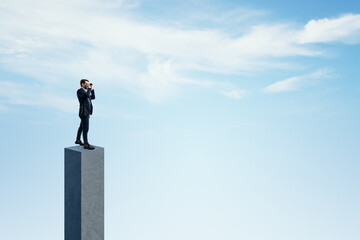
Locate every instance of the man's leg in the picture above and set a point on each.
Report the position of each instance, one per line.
(85, 127)
(79, 132)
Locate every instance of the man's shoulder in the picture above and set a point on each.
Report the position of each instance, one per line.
(81, 90)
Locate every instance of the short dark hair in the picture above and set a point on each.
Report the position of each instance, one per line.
(82, 81)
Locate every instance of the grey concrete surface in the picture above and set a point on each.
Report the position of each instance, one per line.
(84, 193)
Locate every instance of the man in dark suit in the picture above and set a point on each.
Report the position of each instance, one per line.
(85, 94)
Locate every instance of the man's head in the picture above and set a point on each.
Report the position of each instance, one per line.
(84, 83)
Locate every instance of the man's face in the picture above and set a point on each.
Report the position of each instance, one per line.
(86, 85)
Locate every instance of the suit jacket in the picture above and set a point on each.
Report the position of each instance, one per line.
(84, 97)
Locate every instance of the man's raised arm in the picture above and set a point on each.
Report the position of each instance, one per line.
(83, 94)
(92, 96)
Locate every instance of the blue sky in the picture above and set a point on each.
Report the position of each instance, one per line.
(220, 119)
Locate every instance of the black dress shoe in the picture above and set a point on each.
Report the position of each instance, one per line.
(79, 142)
(90, 147)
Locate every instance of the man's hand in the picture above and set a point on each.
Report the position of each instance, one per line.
(91, 86)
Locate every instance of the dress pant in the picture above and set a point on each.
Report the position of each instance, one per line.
(83, 128)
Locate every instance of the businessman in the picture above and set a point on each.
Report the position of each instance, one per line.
(85, 94)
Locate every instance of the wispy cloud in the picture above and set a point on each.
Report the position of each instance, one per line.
(59, 42)
(236, 94)
(295, 83)
(36, 95)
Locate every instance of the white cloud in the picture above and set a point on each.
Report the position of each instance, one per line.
(295, 83)
(159, 82)
(342, 29)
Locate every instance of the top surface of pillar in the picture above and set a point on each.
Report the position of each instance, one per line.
(82, 149)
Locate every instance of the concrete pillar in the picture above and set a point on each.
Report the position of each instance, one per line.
(84, 193)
